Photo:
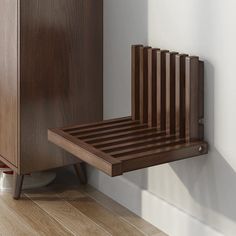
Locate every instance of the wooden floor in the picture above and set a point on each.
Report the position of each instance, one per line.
(63, 209)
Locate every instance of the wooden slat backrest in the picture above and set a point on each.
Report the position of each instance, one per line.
(167, 91)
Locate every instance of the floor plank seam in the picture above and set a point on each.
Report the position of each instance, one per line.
(48, 215)
(122, 218)
(91, 220)
(21, 221)
(57, 220)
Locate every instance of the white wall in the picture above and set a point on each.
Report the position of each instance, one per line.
(204, 187)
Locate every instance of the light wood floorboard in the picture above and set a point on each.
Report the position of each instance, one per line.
(69, 209)
(34, 216)
(101, 215)
(145, 227)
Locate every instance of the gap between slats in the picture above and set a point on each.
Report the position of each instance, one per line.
(131, 138)
(103, 127)
(97, 124)
(147, 147)
(168, 148)
(120, 135)
(96, 134)
(135, 143)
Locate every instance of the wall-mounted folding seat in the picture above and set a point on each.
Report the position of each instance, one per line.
(165, 125)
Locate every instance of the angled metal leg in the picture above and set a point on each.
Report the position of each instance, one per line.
(18, 182)
(80, 170)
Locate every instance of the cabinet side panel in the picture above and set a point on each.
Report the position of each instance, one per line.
(8, 81)
(61, 74)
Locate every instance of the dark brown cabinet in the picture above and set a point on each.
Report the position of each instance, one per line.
(50, 76)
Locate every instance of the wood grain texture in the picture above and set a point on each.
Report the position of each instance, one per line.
(97, 124)
(11, 224)
(192, 99)
(33, 216)
(80, 170)
(9, 81)
(123, 148)
(123, 213)
(201, 87)
(103, 217)
(18, 182)
(143, 89)
(162, 155)
(152, 90)
(86, 152)
(161, 89)
(61, 74)
(170, 92)
(63, 208)
(66, 214)
(180, 76)
(135, 92)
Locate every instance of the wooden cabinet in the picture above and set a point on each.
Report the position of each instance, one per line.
(50, 76)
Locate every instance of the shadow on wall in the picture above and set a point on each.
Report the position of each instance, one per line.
(209, 180)
(204, 187)
(125, 23)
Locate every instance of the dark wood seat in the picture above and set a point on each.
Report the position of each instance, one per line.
(166, 123)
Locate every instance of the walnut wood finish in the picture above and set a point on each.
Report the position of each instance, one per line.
(80, 170)
(113, 154)
(18, 182)
(51, 74)
(60, 42)
(167, 105)
(9, 82)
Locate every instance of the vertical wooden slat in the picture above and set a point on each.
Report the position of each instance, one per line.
(153, 91)
(143, 86)
(170, 92)
(201, 99)
(161, 89)
(167, 91)
(135, 81)
(158, 88)
(192, 99)
(180, 94)
(151, 61)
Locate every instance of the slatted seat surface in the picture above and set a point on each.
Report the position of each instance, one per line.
(166, 122)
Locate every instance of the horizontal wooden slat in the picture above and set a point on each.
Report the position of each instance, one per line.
(136, 143)
(103, 127)
(112, 131)
(85, 152)
(97, 124)
(132, 138)
(146, 147)
(144, 130)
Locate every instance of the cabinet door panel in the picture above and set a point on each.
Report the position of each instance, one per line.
(8, 80)
(61, 74)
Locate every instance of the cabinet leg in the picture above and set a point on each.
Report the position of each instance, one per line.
(80, 170)
(18, 182)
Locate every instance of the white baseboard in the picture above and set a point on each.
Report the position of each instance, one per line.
(163, 215)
